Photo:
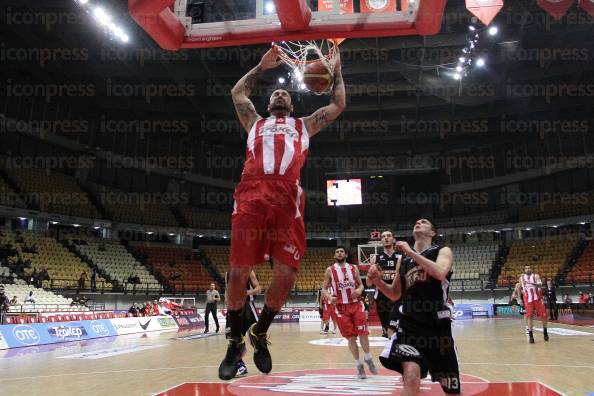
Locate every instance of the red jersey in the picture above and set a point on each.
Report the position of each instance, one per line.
(343, 283)
(276, 147)
(531, 292)
(325, 299)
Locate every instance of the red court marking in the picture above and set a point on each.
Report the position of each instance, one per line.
(331, 382)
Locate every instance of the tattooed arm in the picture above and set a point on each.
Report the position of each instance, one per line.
(242, 90)
(324, 116)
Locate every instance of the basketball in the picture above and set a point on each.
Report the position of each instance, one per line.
(317, 78)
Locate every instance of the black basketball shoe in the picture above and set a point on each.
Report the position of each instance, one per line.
(546, 334)
(262, 358)
(530, 338)
(230, 364)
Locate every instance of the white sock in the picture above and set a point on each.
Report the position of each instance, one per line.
(368, 356)
(359, 361)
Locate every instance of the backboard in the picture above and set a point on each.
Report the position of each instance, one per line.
(176, 24)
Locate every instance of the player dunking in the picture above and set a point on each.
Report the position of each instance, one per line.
(269, 205)
(423, 340)
(350, 313)
(250, 314)
(532, 291)
(387, 261)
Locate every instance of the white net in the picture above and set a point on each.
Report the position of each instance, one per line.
(298, 54)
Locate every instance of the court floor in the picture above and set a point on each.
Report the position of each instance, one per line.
(494, 355)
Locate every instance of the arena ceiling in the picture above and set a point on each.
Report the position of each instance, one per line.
(396, 91)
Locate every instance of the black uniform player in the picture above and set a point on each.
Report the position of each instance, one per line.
(249, 313)
(423, 341)
(386, 261)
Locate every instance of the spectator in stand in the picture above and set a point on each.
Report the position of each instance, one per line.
(43, 276)
(32, 279)
(14, 301)
(136, 280)
(94, 279)
(134, 310)
(82, 280)
(30, 299)
(4, 304)
(591, 298)
(583, 298)
(567, 300)
(147, 310)
(156, 308)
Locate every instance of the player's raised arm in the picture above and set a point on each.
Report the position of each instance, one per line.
(324, 116)
(243, 89)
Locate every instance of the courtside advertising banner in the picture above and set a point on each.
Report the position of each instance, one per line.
(309, 316)
(472, 311)
(143, 324)
(21, 335)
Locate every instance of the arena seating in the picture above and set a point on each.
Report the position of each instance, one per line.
(472, 264)
(497, 217)
(583, 270)
(63, 267)
(52, 191)
(206, 220)
(8, 197)
(583, 206)
(545, 256)
(42, 298)
(134, 208)
(310, 276)
(313, 268)
(117, 262)
(177, 266)
(219, 257)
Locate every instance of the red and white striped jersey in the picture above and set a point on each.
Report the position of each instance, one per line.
(531, 292)
(331, 291)
(343, 283)
(276, 147)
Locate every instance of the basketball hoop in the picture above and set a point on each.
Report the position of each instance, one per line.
(299, 54)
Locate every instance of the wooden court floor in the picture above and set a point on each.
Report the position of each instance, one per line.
(494, 351)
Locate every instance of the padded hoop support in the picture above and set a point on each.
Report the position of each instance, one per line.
(430, 16)
(164, 26)
(294, 15)
(157, 19)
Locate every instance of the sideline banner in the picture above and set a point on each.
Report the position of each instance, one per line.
(472, 311)
(20, 335)
(124, 326)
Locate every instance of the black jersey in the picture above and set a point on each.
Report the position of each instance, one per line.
(249, 286)
(424, 298)
(387, 263)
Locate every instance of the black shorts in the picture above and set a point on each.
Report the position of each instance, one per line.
(249, 315)
(431, 347)
(385, 308)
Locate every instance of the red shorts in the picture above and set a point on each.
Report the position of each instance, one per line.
(538, 306)
(351, 319)
(267, 219)
(328, 313)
